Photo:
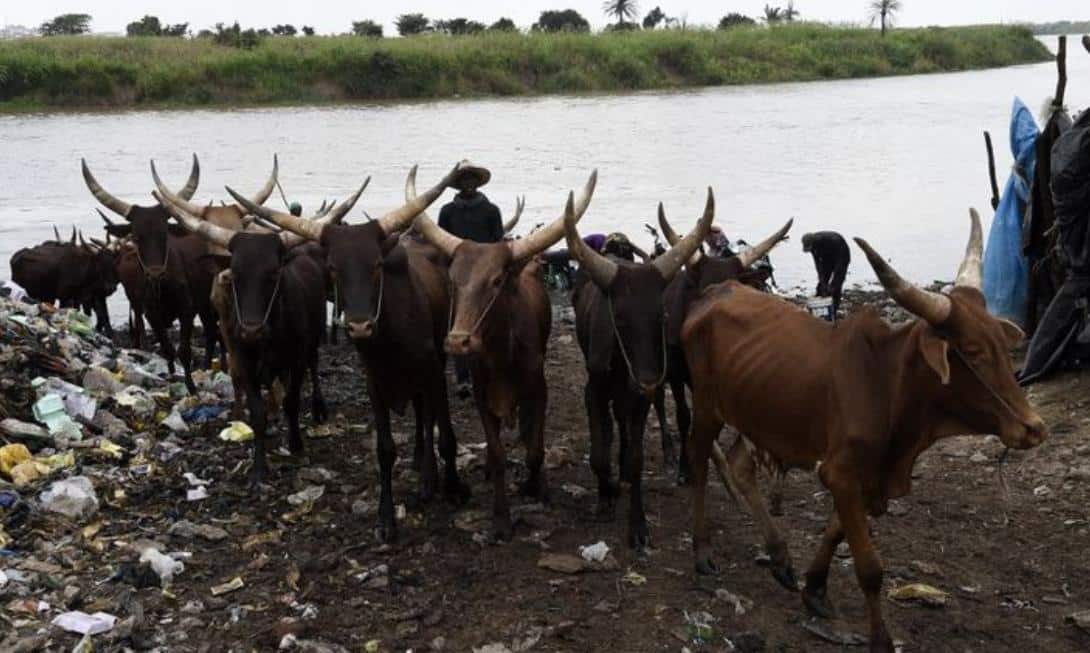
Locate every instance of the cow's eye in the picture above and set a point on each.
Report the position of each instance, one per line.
(497, 281)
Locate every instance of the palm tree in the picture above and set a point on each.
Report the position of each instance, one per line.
(883, 11)
(790, 13)
(622, 10)
(773, 14)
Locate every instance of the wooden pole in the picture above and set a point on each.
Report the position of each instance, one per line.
(1061, 73)
(991, 170)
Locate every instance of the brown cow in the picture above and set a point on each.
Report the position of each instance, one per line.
(396, 307)
(862, 398)
(621, 329)
(501, 322)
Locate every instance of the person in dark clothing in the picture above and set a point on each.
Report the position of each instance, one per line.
(470, 215)
(831, 258)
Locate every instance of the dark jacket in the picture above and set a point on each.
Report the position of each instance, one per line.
(829, 248)
(473, 218)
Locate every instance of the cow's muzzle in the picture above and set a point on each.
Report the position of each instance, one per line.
(155, 273)
(252, 333)
(1026, 435)
(460, 343)
(361, 330)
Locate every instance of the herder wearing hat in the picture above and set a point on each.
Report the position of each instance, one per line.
(472, 216)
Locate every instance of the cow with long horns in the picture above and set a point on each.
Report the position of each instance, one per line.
(278, 315)
(862, 398)
(396, 305)
(621, 329)
(501, 320)
(171, 276)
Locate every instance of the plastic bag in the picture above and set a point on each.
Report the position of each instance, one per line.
(72, 497)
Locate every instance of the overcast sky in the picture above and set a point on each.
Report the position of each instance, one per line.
(337, 15)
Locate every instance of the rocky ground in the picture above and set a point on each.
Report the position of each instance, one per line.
(296, 565)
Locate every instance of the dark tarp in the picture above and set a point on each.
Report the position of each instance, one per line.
(1063, 335)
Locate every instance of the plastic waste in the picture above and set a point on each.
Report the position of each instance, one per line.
(230, 586)
(77, 403)
(165, 566)
(26, 473)
(595, 552)
(83, 623)
(101, 382)
(72, 497)
(202, 414)
(136, 401)
(927, 594)
(11, 455)
(175, 422)
(821, 307)
(310, 494)
(49, 410)
(237, 432)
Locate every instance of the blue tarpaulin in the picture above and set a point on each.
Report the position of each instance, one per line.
(1006, 273)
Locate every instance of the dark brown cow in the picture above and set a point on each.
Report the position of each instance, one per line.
(174, 276)
(396, 307)
(621, 329)
(279, 315)
(501, 322)
(76, 275)
(862, 398)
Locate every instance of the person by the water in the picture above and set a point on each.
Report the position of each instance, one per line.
(717, 243)
(470, 215)
(831, 258)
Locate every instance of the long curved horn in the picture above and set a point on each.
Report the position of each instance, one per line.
(266, 191)
(194, 178)
(544, 238)
(192, 208)
(56, 234)
(602, 271)
(671, 261)
(971, 270)
(311, 228)
(109, 201)
(398, 219)
(109, 223)
(931, 306)
(211, 232)
(433, 233)
(758, 251)
(667, 231)
(520, 204)
(72, 240)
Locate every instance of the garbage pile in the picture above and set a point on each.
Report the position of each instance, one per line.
(80, 419)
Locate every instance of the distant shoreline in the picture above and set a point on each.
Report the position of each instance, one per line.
(80, 73)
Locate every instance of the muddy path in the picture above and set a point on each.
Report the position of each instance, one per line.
(1010, 552)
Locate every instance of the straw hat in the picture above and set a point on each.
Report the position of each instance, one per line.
(471, 175)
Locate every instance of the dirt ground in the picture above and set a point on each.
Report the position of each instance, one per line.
(1012, 557)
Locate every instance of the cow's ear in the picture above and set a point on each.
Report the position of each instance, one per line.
(936, 352)
(177, 230)
(119, 230)
(1014, 333)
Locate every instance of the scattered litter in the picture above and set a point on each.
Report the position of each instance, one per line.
(1080, 619)
(228, 587)
(165, 566)
(308, 495)
(594, 552)
(561, 563)
(196, 493)
(926, 594)
(237, 432)
(741, 604)
(822, 630)
(83, 623)
(72, 497)
(12, 455)
(634, 578)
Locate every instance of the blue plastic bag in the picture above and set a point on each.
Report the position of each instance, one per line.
(1006, 273)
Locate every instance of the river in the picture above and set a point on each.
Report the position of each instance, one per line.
(896, 160)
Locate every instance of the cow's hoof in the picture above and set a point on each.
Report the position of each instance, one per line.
(785, 576)
(386, 531)
(705, 567)
(817, 603)
(318, 412)
(428, 486)
(456, 492)
(882, 644)
(501, 528)
(639, 538)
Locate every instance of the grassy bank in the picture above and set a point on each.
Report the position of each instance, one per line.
(137, 72)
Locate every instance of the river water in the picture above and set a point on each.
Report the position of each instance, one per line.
(895, 160)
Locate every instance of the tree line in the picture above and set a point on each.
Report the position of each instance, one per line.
(624, 12)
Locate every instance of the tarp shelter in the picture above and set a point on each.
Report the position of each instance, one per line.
(1063, 336)
(1006, 272)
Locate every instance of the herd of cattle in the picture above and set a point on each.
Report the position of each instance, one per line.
(859, 399)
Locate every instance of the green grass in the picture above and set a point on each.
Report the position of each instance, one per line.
(84, 72)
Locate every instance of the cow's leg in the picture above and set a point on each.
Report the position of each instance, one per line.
(775, 491)
(601, 441)
(620, 416)
(418, 437)
(387, 454)
(846, 489)
(166, 347)
(291, 409)
(318, 412)
(814, 592)
(684, 423)
(210, 326)
(102, 317)
(532, 432)
(136, 324)
(495, 464)
(738, 471)
(703, 434)
(185, 351)
(453, 487)
(669, 456)
(638, 535)
(429, 469)
(258, 420)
